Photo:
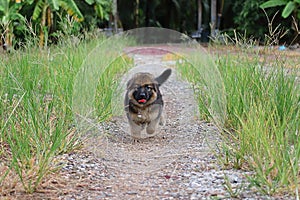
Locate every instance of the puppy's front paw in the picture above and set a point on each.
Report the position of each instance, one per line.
(162, 121)
(150, 130)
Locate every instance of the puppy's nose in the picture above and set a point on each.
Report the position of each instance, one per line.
(142, 95)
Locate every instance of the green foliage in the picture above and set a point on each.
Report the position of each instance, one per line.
(245, 16)
(102, 8)
(72, 9)
(249, 18)
(252, 20)
(9, 11)
(289, 7)
(67, 5)
(9, 19)
(16, 18)
(273, 3)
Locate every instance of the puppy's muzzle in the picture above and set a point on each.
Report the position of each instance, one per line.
(141, 96)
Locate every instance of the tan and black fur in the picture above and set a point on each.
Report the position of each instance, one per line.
(144, 103)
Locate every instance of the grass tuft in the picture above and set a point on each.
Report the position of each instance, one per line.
(36, 115)
(262, 120)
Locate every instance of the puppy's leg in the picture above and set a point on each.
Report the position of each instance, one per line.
(135, 130)
(155, 118)
(162, 120)
(152, 126)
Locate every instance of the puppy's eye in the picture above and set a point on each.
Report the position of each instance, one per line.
(148, 88)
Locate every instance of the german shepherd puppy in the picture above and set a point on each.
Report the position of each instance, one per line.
(144, 103)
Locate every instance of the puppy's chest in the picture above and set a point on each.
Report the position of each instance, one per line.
(142, 116)
(146, 115)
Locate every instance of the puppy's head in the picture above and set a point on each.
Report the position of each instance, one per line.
(142, 89)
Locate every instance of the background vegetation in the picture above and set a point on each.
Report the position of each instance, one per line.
(49, 18)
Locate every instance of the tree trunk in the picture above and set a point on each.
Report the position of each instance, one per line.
(213, 20)
(43, 25)
(9, 36)
(115, 14)
(136, 13)
(199, 15)
(49, 19)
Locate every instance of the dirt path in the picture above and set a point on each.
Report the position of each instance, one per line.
(178, 163)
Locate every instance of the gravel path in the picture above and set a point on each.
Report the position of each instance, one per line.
(178, 163)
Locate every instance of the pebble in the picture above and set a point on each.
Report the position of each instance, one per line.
(132, 192)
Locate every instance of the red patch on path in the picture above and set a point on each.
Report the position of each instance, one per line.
(147, 50)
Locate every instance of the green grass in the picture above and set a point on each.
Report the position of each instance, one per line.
(262, 120)
(36, 106)
(263, 109)
(107, 88)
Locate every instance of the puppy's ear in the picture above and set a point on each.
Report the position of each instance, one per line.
(163, 77)
(129, 83)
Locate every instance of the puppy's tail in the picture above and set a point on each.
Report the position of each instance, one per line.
(163, 77)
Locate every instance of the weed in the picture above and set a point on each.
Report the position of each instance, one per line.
(262, 120)
(37, 121)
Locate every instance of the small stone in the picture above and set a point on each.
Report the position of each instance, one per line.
(108, 194)
(132, 192)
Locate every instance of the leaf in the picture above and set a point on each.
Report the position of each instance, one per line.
(297, 1)
(37, 9)
(176, 3)
(4, 4)
(273, 3)
(72, 9)
(288, 9)
(90, 2)
(17, 16)
(53, 4)
(99, 11)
